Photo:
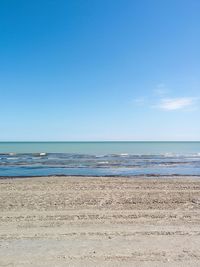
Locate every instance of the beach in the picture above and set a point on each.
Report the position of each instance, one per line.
(100, 221)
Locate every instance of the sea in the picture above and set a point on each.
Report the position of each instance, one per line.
(99, 158)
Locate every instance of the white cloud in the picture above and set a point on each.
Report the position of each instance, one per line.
(177, 103)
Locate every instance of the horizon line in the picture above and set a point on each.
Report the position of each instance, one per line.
(90, 141)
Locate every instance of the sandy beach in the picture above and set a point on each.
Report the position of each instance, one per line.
(88, 221)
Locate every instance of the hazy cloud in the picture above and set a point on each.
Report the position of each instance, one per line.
(140, 101)
(176, 103)
(161, 98)
(161, 90)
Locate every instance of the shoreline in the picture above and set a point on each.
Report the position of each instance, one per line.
(100, 221)
(137, 176)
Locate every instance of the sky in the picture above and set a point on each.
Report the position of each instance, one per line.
(86, 70)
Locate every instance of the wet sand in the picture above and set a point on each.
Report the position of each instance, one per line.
(76, 221)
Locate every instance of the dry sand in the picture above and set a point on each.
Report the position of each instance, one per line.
(76, 221)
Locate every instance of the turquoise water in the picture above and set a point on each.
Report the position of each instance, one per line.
(99, 158)
(101, 147)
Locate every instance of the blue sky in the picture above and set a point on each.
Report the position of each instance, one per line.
(99, 70)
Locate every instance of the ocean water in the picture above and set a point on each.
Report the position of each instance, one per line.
(99, 158)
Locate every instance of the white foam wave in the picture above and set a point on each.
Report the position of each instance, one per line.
(43, 154)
